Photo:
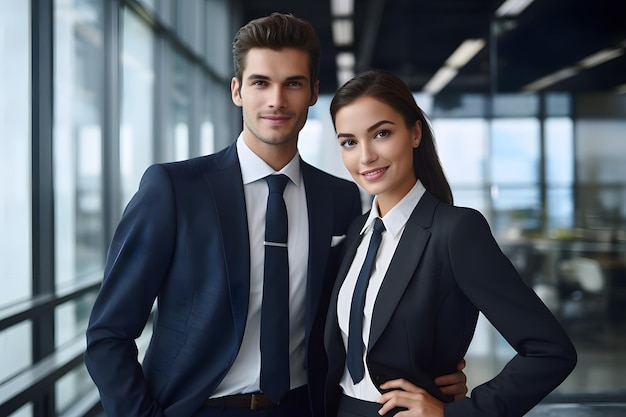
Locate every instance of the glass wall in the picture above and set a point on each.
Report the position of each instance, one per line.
(15, 168)
(176, 126)
(129, 83)
(559, 154)
(78, 103)
(514, 175)
(467, 137)
(137, 107)
(15, 182)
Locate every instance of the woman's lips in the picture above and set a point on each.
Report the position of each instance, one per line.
(374, 174)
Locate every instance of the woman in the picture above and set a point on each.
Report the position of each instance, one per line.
(436, 267)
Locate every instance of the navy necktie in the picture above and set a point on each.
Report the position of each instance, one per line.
(354, 357)
(275, 306)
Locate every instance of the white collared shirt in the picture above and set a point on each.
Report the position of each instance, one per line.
(244, 375)
(395, 222)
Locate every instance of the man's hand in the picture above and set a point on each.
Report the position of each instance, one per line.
(454, 384)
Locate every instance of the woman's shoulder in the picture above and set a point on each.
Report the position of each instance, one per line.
(460, 218)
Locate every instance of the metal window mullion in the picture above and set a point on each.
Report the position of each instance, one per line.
(111, 176)
(196, 108)
(42, 18)
(161, 109)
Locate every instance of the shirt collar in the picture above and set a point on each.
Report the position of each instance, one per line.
(397, 217)
(254, 168)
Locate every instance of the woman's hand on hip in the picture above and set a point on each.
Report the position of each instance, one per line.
(419, 402)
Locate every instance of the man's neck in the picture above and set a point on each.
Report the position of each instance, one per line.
(276, 156)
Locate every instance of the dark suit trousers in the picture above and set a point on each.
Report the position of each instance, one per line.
(295, 404)
(352, 407)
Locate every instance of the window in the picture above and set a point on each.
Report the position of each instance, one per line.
(15, 181)
(136, 135)
(466, 175)
(559, 146)
(176, 140)
(15, 157)
(78, 98)
(514, 174)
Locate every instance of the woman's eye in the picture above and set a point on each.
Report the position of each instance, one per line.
(347, 143)
(382, 134)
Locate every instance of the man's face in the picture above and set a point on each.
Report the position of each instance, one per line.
(275, 95)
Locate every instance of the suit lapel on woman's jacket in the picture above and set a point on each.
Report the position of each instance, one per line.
(403, 265)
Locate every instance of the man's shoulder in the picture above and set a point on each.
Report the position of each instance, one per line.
(220, 160)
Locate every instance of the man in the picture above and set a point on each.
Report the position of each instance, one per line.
(193, 239)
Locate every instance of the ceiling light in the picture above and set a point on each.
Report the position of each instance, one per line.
(465, 52)
(344, 75)
(345, 67)
(441, 78)
(342, 7)
(590, 61)
(342, 32)
(600, 57)
(551, 79)
(345, 60)
(512, 7)
(461, 56)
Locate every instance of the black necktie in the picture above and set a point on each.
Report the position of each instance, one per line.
(275, 306)
(355, 330)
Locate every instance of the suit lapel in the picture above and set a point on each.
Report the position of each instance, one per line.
(319, 211)
(346, 262)
(226, 185)
(332, 337)
(403, 265)
(344, 267)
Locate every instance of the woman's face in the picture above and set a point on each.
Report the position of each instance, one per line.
(377, 149)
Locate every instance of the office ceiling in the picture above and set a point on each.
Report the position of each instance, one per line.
(413, 38)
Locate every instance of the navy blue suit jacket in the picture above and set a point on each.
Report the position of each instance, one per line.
(183, 241)
(446, 268)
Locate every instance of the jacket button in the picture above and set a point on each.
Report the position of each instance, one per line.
(380, 379)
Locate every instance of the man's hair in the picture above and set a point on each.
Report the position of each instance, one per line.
(276, 32)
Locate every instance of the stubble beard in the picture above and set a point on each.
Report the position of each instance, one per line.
(274, 137)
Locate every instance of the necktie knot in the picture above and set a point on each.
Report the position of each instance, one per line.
(277, 183)
(379, 226)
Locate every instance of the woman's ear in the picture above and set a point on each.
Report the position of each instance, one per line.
(417, 134)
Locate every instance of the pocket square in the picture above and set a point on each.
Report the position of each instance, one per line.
(336, 240)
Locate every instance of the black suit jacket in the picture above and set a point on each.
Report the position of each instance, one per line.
(446, 268)
(183, 241)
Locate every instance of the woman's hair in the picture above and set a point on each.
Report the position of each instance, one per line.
(276, 32)
(391, 90)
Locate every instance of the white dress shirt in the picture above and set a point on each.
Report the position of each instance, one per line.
(244, 375)
(395, 222)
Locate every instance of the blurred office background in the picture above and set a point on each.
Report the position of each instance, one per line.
(530, 125)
